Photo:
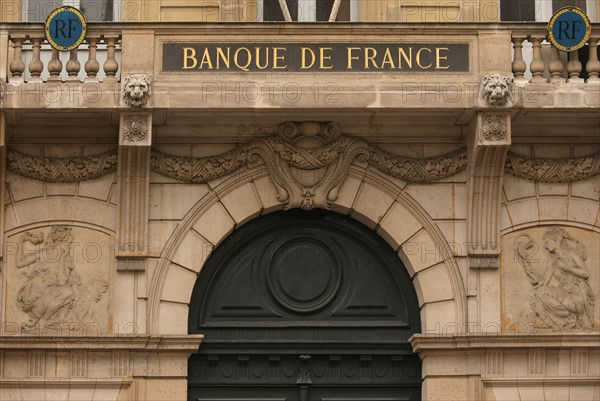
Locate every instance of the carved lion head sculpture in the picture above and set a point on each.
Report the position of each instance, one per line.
(137, 89)
(496, 89)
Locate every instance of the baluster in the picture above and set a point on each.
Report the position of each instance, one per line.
(110, 65)
(17, 66)
(36, 66)
(73, 66)
(556, 66)
(593, 65)
(55, 66)
(518, 65)
(537, 64)
(92, 65)
(574, 67)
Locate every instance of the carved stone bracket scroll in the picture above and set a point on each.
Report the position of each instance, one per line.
(488, 147)
(133, 174)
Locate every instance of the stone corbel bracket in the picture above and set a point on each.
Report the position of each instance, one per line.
(133, 182)
(487, 149)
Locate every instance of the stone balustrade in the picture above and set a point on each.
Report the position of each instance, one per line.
(113, 50)
(536, 60)
(33, 60)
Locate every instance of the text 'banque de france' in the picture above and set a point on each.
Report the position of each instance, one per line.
(321, 57)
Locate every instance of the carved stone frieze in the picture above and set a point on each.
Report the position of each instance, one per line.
(553, 170)
(496, 90)
(135, 127)
(59, 283)
(137, 89)
(557, 270)
(55, 169)
(494, 128)
(307, 163)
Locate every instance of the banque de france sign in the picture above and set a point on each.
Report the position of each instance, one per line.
(315, 57)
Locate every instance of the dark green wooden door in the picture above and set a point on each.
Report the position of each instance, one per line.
(304, 306)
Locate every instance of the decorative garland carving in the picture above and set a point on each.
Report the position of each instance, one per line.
(336, 153)
(289, 160)
(553, 170)
(55, 169)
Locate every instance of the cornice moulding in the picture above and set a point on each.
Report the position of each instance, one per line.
(425, 342)
(134, 342)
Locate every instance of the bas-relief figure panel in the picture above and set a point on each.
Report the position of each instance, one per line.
(551, 280)
(58, 282)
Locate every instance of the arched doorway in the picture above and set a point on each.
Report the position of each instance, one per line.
(304, 306)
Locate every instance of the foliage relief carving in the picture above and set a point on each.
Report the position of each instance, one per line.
(283, 152)
(56, 169)
(553, 170)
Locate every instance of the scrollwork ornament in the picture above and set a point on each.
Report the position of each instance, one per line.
(137, 89)
(494, 128)
(496, 90)
(325, 166)
(307, 162)
(135, 127)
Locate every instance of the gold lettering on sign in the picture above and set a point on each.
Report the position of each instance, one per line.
(266, 64)
(407, 58)
(370, 54)
(222, 57)
(317, 57)
(312, 55)
(421, 66)
(387, 59)
(243, 67)
(276, 58)
(351, 57)
(323, 57)
(189, 53)
(206, 59)
(439, 57)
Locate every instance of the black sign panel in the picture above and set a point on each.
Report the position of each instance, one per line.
(315, 57)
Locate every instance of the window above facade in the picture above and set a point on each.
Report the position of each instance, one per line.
(308, 10)
(94, 10)
(540, 10)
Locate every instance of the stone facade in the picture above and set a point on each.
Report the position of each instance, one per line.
(116, 192)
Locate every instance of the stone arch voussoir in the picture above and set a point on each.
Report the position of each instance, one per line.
(364, 195)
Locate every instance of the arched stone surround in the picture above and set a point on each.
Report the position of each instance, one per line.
(375, 200)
